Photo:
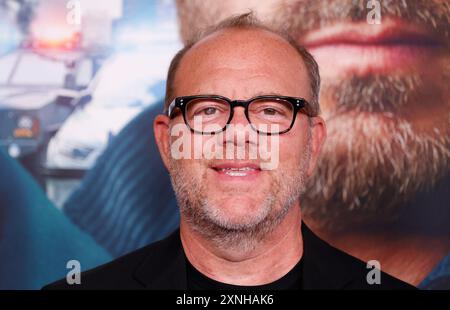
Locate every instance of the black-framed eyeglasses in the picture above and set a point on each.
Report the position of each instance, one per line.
(210, 114)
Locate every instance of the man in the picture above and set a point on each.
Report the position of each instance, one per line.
(381, 191)
(241, 223)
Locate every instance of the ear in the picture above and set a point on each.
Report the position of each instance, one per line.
(161, 131)
(318, 136)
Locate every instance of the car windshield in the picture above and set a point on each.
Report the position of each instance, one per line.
(28, 69)
(130, 79)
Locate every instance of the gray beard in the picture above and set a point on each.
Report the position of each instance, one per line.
(370, 167)
(202, 217)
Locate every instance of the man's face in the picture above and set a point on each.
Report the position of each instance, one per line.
(213, 195)
(385, 96)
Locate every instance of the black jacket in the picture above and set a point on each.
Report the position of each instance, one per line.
(162, 265)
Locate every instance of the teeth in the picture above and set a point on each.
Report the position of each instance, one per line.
(237, 172)
(237, 169)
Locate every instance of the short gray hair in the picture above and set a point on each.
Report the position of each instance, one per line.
(249, 21)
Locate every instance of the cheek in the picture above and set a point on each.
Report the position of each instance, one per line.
(294, 144)
(190, 169)
(196, 167)
(291, 151)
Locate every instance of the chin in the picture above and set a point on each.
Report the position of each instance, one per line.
(239, 212)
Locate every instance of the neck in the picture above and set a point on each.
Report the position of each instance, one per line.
(269, 260)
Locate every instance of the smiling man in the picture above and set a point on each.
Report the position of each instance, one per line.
(241, 224)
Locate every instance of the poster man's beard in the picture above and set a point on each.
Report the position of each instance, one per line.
(375, 159)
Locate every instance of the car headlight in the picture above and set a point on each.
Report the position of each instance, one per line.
(27, 127)
(14, 150)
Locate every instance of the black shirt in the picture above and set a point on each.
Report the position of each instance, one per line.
(198, 281)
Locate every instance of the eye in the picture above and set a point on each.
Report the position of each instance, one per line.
(207, 108)
(270, 111)
(209, 111)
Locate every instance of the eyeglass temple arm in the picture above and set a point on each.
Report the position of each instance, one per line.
(172, 106)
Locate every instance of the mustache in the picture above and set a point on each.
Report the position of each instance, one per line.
(375, 93)
(301, 16)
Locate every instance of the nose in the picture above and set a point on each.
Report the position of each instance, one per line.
(238, 132)
(239, 116)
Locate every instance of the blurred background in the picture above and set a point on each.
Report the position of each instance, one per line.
(68, 87)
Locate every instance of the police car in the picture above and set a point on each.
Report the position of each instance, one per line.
(37, 94)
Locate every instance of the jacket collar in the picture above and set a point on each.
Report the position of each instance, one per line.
(165, 266)
(324, 267)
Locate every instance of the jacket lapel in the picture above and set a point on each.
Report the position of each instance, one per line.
(165, 266)
(322, 264)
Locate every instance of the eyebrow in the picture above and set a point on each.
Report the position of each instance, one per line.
(264, 93)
